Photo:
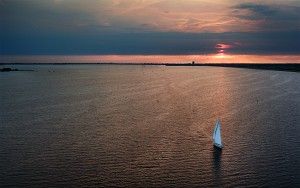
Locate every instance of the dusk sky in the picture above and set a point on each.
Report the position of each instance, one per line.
(235, 29)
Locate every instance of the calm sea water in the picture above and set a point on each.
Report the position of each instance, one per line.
(148, 126)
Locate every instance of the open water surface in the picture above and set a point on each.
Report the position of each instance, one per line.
(113, 125)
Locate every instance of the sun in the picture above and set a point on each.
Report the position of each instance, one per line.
(221, 49)
(221, 56)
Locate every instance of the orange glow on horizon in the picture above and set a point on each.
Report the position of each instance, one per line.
(212, 58)
(222, 56)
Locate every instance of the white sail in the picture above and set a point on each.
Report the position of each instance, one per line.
(215, 130)
(217, 135)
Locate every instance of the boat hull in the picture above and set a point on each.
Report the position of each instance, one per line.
(218, 146)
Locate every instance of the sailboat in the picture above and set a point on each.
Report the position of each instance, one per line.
(217, 135)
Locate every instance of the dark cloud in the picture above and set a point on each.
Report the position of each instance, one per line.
(153, 43)
(270, 17)
(257, 11)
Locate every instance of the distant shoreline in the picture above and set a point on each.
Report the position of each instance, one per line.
(292, 67)
(278, 67)
(8, 69)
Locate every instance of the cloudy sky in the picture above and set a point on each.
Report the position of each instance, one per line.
(134, 28)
